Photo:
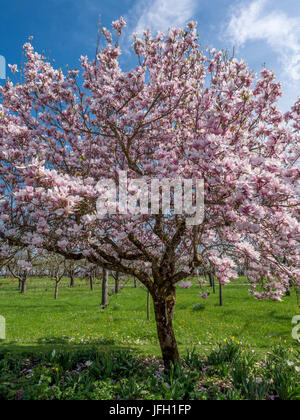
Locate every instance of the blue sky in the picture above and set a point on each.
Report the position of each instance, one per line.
(262, 31)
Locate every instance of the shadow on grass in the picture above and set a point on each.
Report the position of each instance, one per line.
(68, 340)
(280, 317)
(46, 345)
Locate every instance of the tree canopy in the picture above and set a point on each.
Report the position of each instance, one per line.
(180, 113)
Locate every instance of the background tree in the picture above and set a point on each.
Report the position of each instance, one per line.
(72, 270)
(20, 272)
(22, 264)
(56, 265)
(7, 254)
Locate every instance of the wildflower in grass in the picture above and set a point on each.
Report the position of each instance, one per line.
(185, 284)
(19, 395)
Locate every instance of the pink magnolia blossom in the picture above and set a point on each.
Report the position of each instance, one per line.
(205, 295)
(185, 284)
(25, 265)
(13, 68)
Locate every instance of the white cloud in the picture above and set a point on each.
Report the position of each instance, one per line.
(164, 14)
(280, 31)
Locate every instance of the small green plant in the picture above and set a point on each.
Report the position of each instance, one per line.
(198, 307)
(294, 394)
(229, 373)
(226, 352)
(178, 384)
(282, 371)
(193, 360)
(243, 369)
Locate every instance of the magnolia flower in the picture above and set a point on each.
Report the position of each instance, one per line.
(185, 284)
(13, 68)
(25, 265)
(205, 295)
(37, 241)
(119, 24)
(63, 244)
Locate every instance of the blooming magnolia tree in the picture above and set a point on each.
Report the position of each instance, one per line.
(180, 113)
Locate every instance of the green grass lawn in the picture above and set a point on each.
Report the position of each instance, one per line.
(37, 321)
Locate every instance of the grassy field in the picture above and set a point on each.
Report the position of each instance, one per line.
(35, 321)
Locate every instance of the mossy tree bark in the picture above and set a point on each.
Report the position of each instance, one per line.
(164, 300)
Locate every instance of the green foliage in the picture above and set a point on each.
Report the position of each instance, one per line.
(228, 351)
(96, 375)
(282, 369)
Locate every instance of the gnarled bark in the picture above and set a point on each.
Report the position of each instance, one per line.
(164, 304)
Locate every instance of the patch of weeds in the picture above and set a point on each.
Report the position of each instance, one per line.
(198, 307)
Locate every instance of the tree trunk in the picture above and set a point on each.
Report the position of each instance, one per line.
(212, 281)
(164, 305)
(104, 302)
(298, 295)
(24, 286)
(117, 283)
(288, 289)
(72, 281)
(134, 282)
(56, 291)
(91, 283)
(148, 305)
(221, 294)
